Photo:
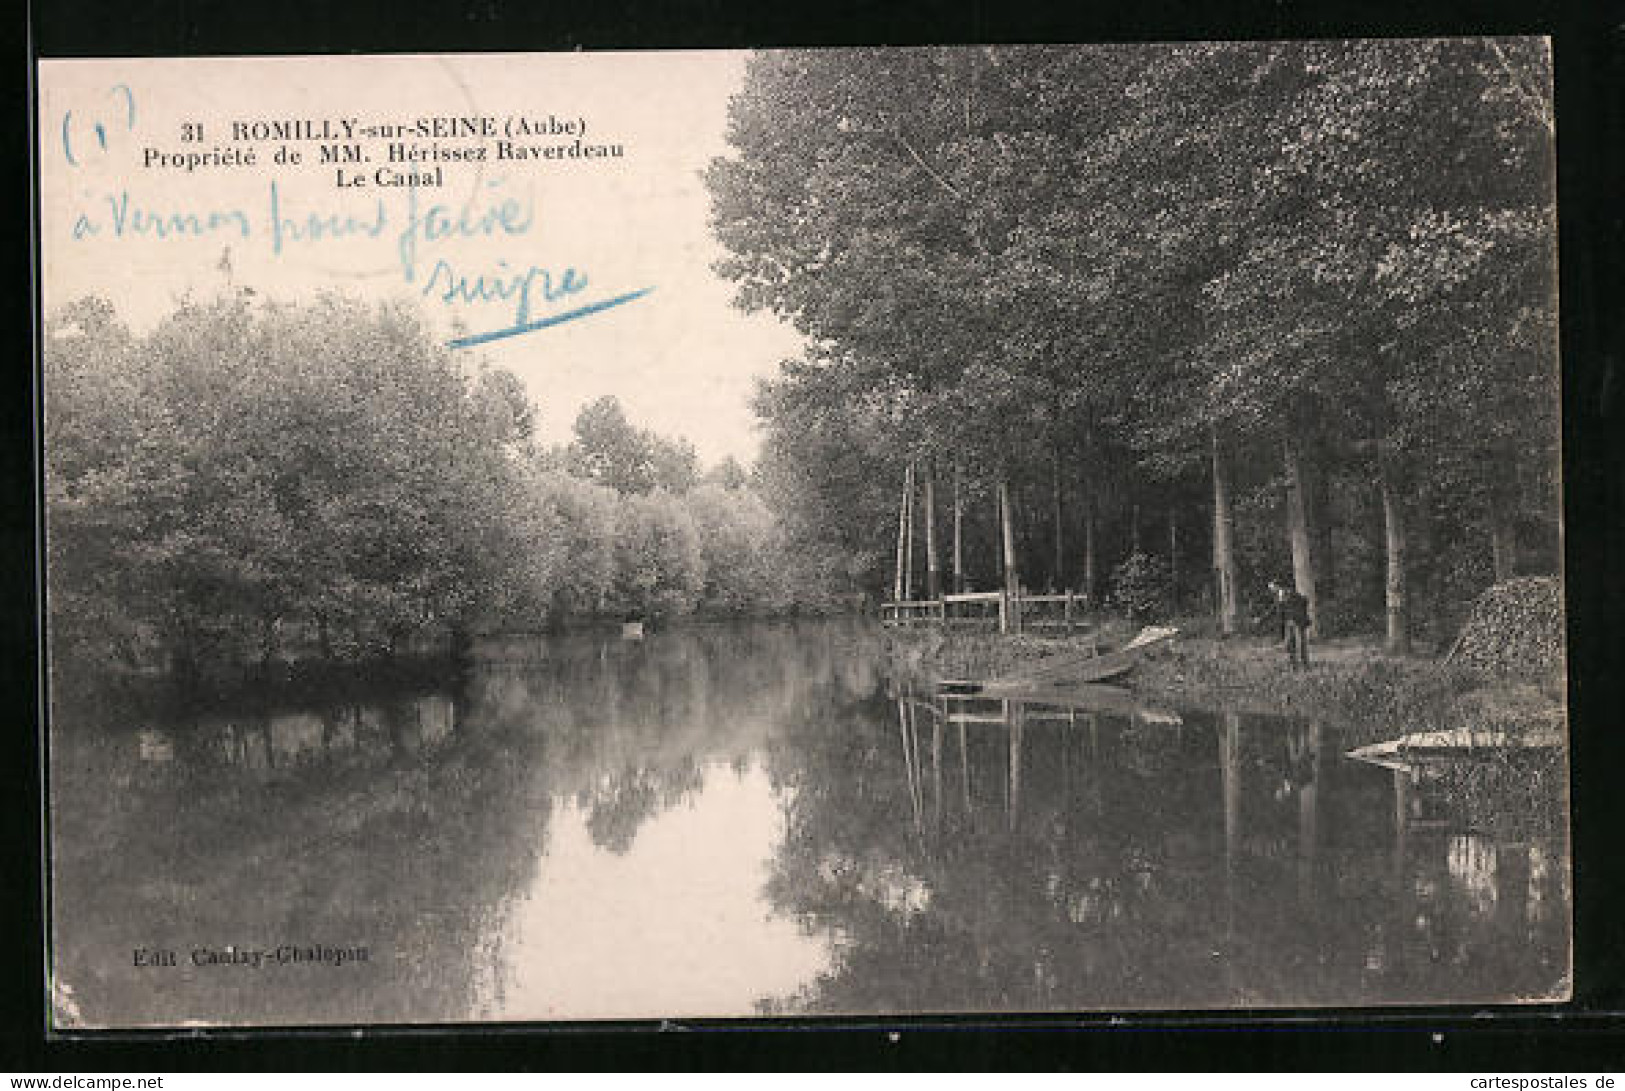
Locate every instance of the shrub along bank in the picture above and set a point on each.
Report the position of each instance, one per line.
(251, 482)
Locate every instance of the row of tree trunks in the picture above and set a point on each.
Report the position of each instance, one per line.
(1308, 533)
(1311, 553)
(1305, 523)
(903, 585)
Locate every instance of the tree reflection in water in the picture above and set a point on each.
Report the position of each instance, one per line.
(756, 817)
(1087, 860)
(415, 821)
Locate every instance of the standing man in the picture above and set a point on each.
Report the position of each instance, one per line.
(1292, 610)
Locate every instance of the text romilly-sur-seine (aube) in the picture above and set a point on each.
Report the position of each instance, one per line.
(338, 145)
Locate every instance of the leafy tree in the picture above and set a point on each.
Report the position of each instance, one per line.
(612, 451)
(659, 566)
(326, 465)
(741, 551)
(1148, 262)
(728, 473)
(1140, 586)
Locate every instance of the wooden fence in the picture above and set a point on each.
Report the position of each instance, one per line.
(1008, 613)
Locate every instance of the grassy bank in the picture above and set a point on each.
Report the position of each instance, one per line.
(1349, 681)
(1355, 690)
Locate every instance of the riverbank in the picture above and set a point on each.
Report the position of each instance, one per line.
(1350, 682)
(1356, 692)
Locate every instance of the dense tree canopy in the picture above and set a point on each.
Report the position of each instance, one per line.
(612, 451)
(1319, 275)
(1292, 304)
(251, 480)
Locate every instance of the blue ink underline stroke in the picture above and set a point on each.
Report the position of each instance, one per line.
(551, 320)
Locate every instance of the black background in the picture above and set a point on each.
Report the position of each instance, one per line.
(1583, 1037)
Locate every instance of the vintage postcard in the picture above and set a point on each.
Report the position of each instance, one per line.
(883, 531)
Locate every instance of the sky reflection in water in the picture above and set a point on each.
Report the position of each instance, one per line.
(747, 819)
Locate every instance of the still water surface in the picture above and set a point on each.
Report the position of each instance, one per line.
(749, 819)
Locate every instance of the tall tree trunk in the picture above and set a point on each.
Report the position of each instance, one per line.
(1086, 501)
(902, 535)
(1173, 557)
(1297, 522)
(1089, 545)
(1318, 478)
(933, 577)
(1393, 521)
(1503, 508)
(998, 544)
(268, 643)
(1134, 529)
(959, 532)
(1007, 538)
(1055, 514)
(1012, 572)
(1503, 542)
(1224, 555)
(908, 537)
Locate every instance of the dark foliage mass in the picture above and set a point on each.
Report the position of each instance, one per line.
(249, 482)
(1515, 630)
(1291, 304)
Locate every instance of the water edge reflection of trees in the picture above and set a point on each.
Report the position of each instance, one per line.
(409, 821)
(350, 825)
(1088, 861)
(1038, 859)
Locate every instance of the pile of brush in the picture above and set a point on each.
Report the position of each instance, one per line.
(1515, 630)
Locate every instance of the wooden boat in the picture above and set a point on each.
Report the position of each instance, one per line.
(1424, 747)
(1124, 659)
(1068, 669)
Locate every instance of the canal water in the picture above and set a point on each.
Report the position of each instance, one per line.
(749, 819)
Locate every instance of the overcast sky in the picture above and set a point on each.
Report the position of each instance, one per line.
(681, 358)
